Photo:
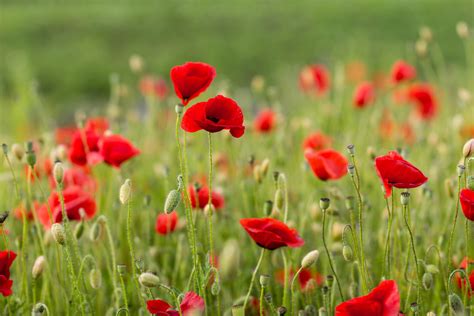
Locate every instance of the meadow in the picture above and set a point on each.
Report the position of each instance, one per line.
(338, 185)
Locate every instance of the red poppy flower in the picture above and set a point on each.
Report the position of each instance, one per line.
(150, 85)
(424, 98)
(166, 223)
(466, 197)
(97, 124)
(79, 154)
(76, 177)
(327, 164)
(384, 300)
(394, 171)
(75, 199)
(191, 79)
(271, 234)
(202, 200)
(303, 278)
(265, 121)
(64, 135)
(461, 281)
(317, 141)
(6, 260)
(116, 150)
(364, 95)
(20, 210)
(191, 303)
(213, 116)
(402, 71)
(314, 78)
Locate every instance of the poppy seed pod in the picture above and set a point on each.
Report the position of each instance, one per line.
(59, 235)
(172, 201)
(125, 191)
(405, 198)
(31, 158)
(351, 169)
(18, 151)
(351, 149)
(179, 109)
(281, 310)
(324, 203)
(148, 279)
(95, 278)
(310, 259)
(264, 279)
(5, 149)
(468, 148)
(58, 173)
(38, 267)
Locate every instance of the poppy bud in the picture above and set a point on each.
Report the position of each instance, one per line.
(38, 267)
(405, 198)
(95, 278)
(96, 231)
(59, 235)
(456, 304)
(125, 191)
(427, 280)
(268, 298)
(324, 203)
(330, 280)
(257, 175)
(40, 309)
(58, 173)
(462, 29)
(281, 310)
(3, 217)
(470, 183)
(209, 209)
(18, 151)
(5, 149)
(468, 148)
(30, 157)
(279, 199)
(322, 312)
(347, 253)
(264, 167)
(310, 259)
(431, 268)
(148, 279)
(460, 170)
(79, 230)
(267, 208)
(179, 108)
(172, 201)
(430, 314)
(351, 149)
(281, 181)
(264, 279)
(215, 288)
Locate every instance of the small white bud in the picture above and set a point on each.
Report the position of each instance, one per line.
(310, 259)
(125, 191)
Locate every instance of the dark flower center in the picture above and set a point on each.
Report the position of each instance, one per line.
(213, 119)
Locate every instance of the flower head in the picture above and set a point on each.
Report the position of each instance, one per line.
(402, 71)
(116, 149)
(166, 223)
(191, 79)
(327, 164)
(364, 95)
(190, 303)
(466, 197)
(6, 260)
(265, 121)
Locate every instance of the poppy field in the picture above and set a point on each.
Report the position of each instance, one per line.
(345, 189)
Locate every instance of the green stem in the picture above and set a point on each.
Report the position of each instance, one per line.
(252, 281)
(330, 258)
(292, 287)
(456, 213)
(387, 253)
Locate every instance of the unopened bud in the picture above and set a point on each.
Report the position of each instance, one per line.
(351, 170)
(330, 280)
(179, 108)
(405, 198)
(267, 208)
(136, 63)
(59, 235)
(460, 170)
(148, 279)
(351, 149)
(431, 268)
(18, 151)
(95, 278)
(125, 191)
(324, 203)
(264, 167)
(38, 267)
(61, 153)
(347, 253)
(172, 201)
(279, 199)
(468, 148)
(427, 280)
(456, 304)
(79, 230)
(215, 288)
(209, 209)
(310, 259)
(281, 310)
(462, 29)
(322, 312)
(39, 309)
(264, 280)
(426, 34)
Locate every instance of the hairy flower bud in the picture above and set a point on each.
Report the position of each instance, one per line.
(172, 201)
(59, 235)
(18, 151)
(427, 280)
(456, 304)
(468, 148)
(125, 191)
(347, 253)
(310, 258)
(148, 279)
(38, 267)
(58, 173)
(95, 278)
(462, 29)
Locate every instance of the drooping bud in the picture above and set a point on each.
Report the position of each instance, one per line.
(38, 267)
(347, 253)
(59, 235)
(172, 201)
(148, 279)
(97, 229)
(310, 259)
(79, 230)
(427, 280)
(215, 288)
(405, 198)
(468, 148)
(324, 203)
(95, 278)
(264, 280)
(18, 151)
(125, 191)
(456, 304)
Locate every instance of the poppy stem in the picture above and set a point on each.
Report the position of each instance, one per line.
(252, 281)
(209, 202)
(330, 258)
(292, 287)
(456, 213)
(387, 252)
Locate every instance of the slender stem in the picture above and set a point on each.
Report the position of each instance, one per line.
(293, 296)
(456, 213)
(262, 292)
(387, 253)
(285, 278)
(112, 254)
(209, 202)
(259, 263)
(330, 258)
(124, 292)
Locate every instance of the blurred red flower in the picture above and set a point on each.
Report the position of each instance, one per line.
(150, 85)
(394, 171)
(384, 300)
(191, 303)
(75, 200)
(314, 78)
(97, 124)
(116, 150)
(64, 135)
(460, 280)
(191, 79)
(29, 213)
(466, 197)
(364, 95)
(166, 223)
(202, 200)
(271, 234)
(6, 260)
(213, 116)
(82, 155)
(76, 176)
(317, 141)
(402, 71)
(327, 164)
(422, 95)
(265, 121)
(303, 278)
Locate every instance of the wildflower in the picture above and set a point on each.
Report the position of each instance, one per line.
(166, 223)
(402, 71)
(190, 304)
(314, 78)
(317, 141)
(152, 86)
(6, 260)
(191, 79)
(200, 197)
(271, 234)
(265, 121)
(364, 95)
(327, 164)
(214, 115)
(466, 197)
(116, 150)
(461, 282)
(422, 95)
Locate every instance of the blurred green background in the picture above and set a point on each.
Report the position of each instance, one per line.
(71, 49)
